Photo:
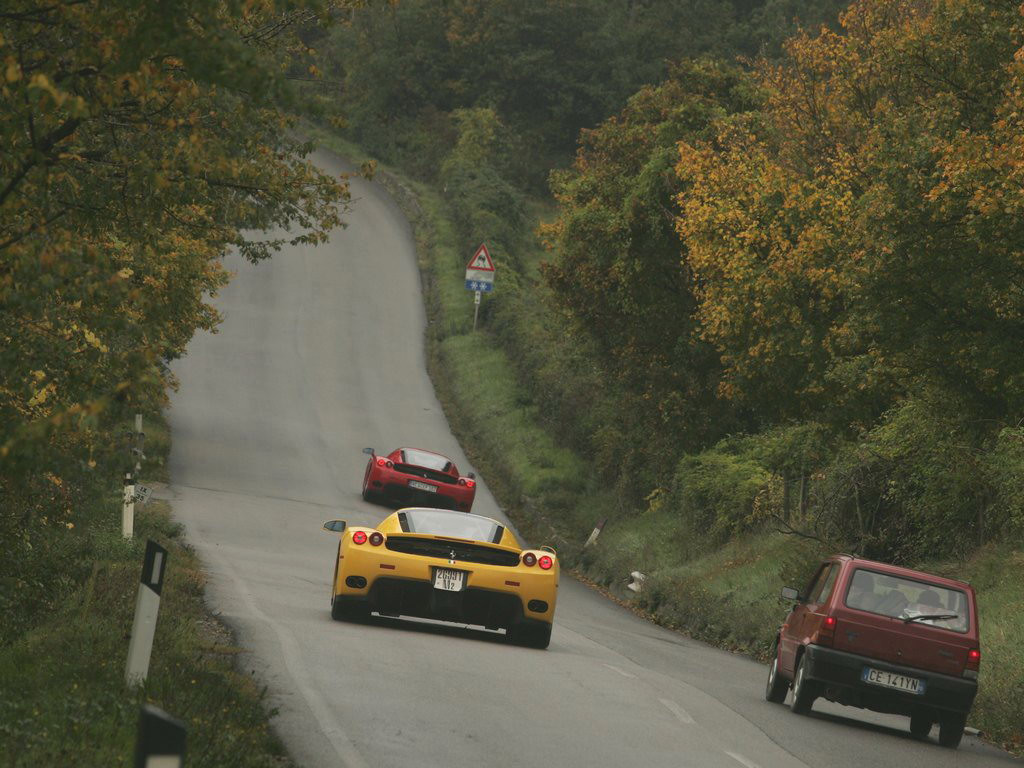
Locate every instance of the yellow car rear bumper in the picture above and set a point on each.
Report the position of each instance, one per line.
(532, 586)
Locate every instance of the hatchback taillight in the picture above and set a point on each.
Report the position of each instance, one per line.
(545, 562)
(376, 538)
(973, 663)
(359, 537)
(382, 462)
(467, 482)
(826, 633)
(529, 559)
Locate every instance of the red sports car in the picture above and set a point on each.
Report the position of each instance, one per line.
(416, 477)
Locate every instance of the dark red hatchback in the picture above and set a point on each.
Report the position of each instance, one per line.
(881, 637)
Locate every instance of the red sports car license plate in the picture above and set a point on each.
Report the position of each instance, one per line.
(422, 486)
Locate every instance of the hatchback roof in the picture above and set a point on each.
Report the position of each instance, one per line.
(902, 570)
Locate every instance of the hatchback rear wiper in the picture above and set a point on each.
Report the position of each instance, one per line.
(931, 617)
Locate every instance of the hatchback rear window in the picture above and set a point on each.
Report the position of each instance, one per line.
(908, 599)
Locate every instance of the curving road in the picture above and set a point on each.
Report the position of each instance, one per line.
(321, 354)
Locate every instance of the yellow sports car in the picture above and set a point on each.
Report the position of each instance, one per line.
(452, 566)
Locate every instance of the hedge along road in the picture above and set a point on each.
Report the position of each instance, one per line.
(320, 354)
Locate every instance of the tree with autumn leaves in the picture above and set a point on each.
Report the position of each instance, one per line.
(138, 143)
(851, 248)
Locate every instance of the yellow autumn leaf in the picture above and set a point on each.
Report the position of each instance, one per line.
(94, 340)
(41, 395)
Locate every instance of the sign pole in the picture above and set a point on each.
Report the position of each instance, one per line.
(479, 278)
(128, 507)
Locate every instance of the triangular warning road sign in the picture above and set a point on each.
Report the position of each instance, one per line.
(481, 260)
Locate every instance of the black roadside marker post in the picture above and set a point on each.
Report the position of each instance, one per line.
(147, 606)
(161, 740)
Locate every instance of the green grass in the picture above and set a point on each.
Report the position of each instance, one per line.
(63, 699)
(997, 573)
(728, 596)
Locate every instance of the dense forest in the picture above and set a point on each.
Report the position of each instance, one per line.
(786, 260)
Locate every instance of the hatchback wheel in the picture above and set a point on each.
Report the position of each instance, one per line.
(775, 690)
(951, 729)
(921, 724)
(804, 690)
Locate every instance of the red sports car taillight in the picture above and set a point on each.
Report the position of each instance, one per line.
(359, 537)
(467, 482)
(545, 562)
(382, 462)
(376, 538)
(529, 559)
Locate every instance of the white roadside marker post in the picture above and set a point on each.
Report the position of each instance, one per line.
(147, 606)
(161, 740)
(134, 442)
(476, 307)
(140, 438)
(128, 507)
(595, 533)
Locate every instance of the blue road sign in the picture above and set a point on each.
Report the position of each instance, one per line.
(479, 285)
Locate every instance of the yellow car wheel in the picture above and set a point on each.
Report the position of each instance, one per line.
(532, 635)
(348, 610)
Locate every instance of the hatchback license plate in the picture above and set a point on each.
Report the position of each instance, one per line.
(893, 680)
(449, 579)
(423, 486)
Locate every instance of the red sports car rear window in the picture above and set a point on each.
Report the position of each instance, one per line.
(426, 459)
(908, 599)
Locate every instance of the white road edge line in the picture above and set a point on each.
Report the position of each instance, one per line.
(675, 709)
(343, 746)
(622, 672)
(742, 760)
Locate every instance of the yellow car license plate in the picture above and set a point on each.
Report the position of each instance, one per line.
(449, 579)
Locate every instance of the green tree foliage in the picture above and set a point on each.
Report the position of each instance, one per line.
(548, 68)
(856, 255)
(843, 282)
(858, 242)
(138, 142)
(619, 268)
(486, 207)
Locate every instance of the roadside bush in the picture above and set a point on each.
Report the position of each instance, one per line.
(1003, 467)
(714, 492)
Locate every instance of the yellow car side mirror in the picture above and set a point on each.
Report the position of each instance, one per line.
(335, 526)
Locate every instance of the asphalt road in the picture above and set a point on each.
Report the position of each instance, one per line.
(320, 355)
